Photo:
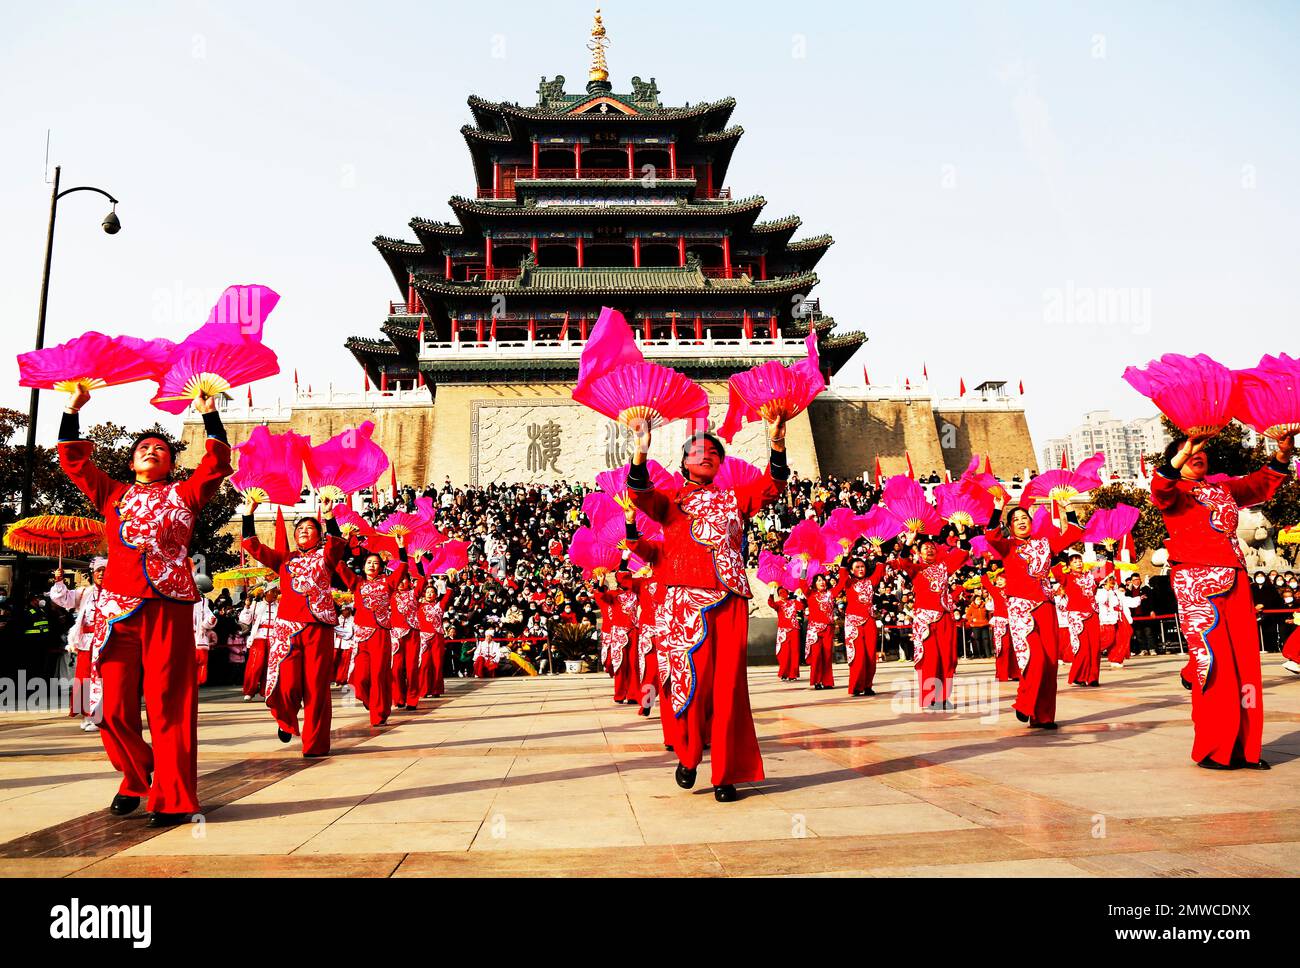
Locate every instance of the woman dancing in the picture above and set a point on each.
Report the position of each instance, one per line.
(860, 623)
(934, 633)
(372, 592)
(820, 638)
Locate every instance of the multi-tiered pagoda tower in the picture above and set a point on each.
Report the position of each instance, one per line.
(590, 200)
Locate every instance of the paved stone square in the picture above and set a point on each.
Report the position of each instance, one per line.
(546, 776)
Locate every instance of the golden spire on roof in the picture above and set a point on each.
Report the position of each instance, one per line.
(599, 69)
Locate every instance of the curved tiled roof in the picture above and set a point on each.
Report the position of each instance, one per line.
(753, 203)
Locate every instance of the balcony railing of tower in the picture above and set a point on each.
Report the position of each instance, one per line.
(568, 350)
(684, 173)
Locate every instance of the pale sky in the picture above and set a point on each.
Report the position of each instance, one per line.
(988, 170)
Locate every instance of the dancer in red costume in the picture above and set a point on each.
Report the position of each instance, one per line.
(372, 591)
(934, 633)
(1080, 587)
(429, 615)
(618, 631)
(787, 608)
(860, 623)
(258, 615)
(648, 630)
(344, 645)
(300, 641)
(1026, 564)
(406, 641)
(706, 600)
(1114, 621)
(1004, 662)
(1215, 609)
(820, 638)
(142, 642)
(654, 682)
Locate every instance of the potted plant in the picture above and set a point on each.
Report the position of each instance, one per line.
(573, 644)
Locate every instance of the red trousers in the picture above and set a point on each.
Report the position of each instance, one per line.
(938, 665)
(862, 670)
(1086, 666)
(1228, 714)
(626, 681)
(819, 658)
(1291, 650)
(152, 654)
(1036, 695)
(372, 680)
(787, 663)
(483, 668)
(406, 670)
(719, 713)
(431, 682)
(200, 665)
(648, 684)
(342, 659)
(1004, 663)
(1115, 641)
(255, 668)
(79, 698)
(304, 684)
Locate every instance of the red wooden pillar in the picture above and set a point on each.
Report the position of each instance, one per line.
(582, 327)
(726, 254)
(455, 330)
(749, 326)
(383, 380)
(534, 244)
(771, 326)
(532, 327)
(673, 327)
(496, 179)
(478, 329)
(487, 253)
(535, 155)
(681, 251)
(708, 179)
(447, 267)
(672, 159)
(699, 327)
(762, 266)
(646, 332)
(580, 253)
(636, 252)
(631, 161)
(411, 301)
(577, 160)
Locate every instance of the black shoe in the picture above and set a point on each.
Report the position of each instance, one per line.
(284, 735)
(1209, 764)
(158, 819)
(668, 748)
(1260, 764)
(1094, 684)
(868, 692)
(1034, 725)
(1021, 716)
(725, 793)
(122, 805)
(949, 704)
(313, 756)
(1186, 684)
(643, 711)
(685, 778)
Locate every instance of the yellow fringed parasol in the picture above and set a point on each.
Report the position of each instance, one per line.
(239, 577)
(55, 534)
(523, 663)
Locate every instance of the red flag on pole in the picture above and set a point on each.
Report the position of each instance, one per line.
(295, 378)
(250, 394)
(962, 390)
(879, 474)
(392, 481)
(907, 383)
(924, 372)
(564, 328)
(365, 375)
(492, 333)
(865, 379)
(1065, 466)
(419, 336)
(1022, 388)
(910, 473)
(281, 534)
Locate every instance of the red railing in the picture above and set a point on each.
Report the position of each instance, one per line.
(636, 173)
(496, 272)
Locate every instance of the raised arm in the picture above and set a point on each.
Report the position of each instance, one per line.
(265, 555)
(74, 458)
(197, 489)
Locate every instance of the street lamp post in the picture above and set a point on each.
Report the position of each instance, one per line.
(112, 226)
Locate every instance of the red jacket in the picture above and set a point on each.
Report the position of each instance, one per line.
(1079, 589)
(1026, 563)
(930, 582)
(860, 592)
(1202, 517)
(372, 598)
(998, 595)
(704, 530)
(294, 606)
(153, 564)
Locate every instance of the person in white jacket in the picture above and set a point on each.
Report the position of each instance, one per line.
(84, 602)
(205, 636)
(344, 642)
(258, 614)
